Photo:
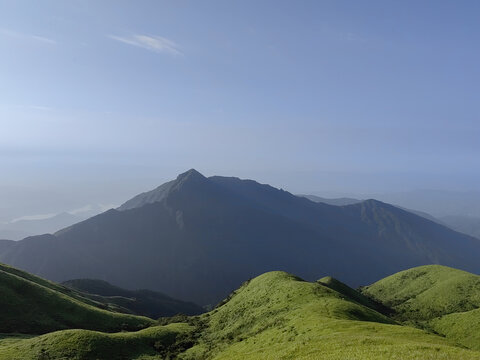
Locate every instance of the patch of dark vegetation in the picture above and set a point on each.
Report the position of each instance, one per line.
(182, 343)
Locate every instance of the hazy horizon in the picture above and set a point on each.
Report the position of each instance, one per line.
(43, 201)
(102, 100)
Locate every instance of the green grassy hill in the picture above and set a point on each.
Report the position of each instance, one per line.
(463, 328)
(279, 316)
(31, 305)
(156, 342)
(427, 292)
(434, 297)
(273, 316)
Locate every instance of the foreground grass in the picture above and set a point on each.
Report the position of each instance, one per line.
(347, 340)
(463, 328)
(437, 298)
(427, 292)
(274, 316)
(278, 316)
(158, 342)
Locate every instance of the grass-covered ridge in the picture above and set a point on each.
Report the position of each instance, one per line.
(434, 297)
(279, 316)
(463, 328)
(156, 342)
(427, 292)
(31, 305)
(273, 316)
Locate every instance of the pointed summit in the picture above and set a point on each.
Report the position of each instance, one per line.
(190, 175)
(158, 194)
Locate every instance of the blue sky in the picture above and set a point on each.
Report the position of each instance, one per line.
(346, 96)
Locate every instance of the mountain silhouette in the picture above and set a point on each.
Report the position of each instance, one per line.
(197, 238)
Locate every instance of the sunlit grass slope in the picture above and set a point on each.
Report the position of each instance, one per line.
(279, 316)
(464, 328)
(158, 342)
(31, 305)
(274, 316)
(48, 284)
(434, 297)
(427, 292)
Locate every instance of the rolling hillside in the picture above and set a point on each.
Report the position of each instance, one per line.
(277, 315)
(151, 343)
(434, 297)
(273, 316)
(198, 238)
(31, 305)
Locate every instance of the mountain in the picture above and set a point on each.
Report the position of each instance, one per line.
(436, 298)
(275, 315)
(140, 302)
(25, 226)
(336, 201)
(350, 201)
(465, 224)
(438, 203)
(198, 238)
(150, 197)
(468, 225)
(32, 305)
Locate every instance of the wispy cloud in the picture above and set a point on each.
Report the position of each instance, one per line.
(156, 44)
(38, 107)
(34, 217)
(30, 107)
(23, 36)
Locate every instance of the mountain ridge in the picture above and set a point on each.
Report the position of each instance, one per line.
(206, 235)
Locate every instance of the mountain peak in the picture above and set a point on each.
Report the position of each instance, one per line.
(373, 202)
(162, 191)
(190, 174)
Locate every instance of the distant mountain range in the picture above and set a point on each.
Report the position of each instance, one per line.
(469, 225)
(198, 238)
(332, 201)
(343, 201)
(30, 225)
(438, 203)
(139, 302)
(20, 229)
(466, 224)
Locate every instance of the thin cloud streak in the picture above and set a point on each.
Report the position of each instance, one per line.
(22, 36)
(38, 107)
(156, 44)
